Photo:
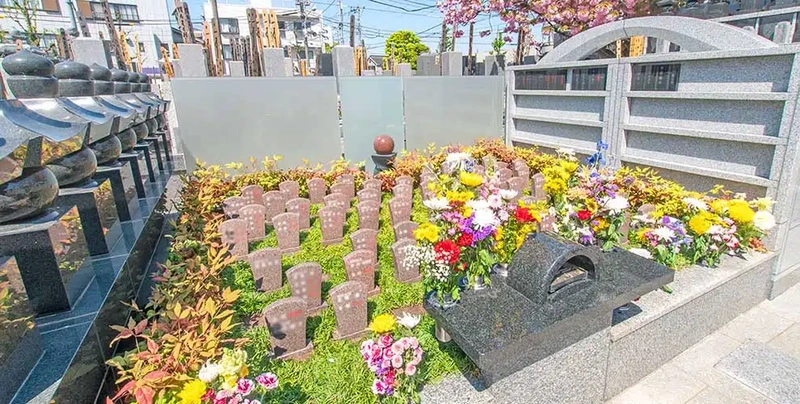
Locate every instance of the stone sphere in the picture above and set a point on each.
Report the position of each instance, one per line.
(100, 73)
(27, 63)
(73, 70)
(119, 75)
(383, 144)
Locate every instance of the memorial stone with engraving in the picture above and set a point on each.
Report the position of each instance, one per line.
(400, 209)
(360, 266)
(403, 271)
(254, 215)
(366, 239)
(275, 204)
(338, 200)
(233, 232)
(368, 215)
(305, 282)
(290, 189)
(287, 230)
(286, 320)
(369, 195)
(332, 223)
(403, 191)
(253, 194)
(404, 230)
(316, 190)
(302, 207)
(232, 205)
(265, 264)
(538, 187)
(349, 301)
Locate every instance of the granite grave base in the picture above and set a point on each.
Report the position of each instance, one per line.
(78, 342)
(136, 160)
(149, 159)
(98, 213)
(123, 188)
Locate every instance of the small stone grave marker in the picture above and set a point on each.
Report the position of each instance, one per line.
(286, 320)
(372, 184)
(647, 210)
(290, 189)
(538, 187)
(488, 161)
(275, 204)
(625, 228)
(338, 200)
(343, 188)
(369, 195)
(501, 165)
(516, 184)
(403, 191)
(366, 239)
(231, 206)
(548, 224)
(316, 190)
(349, 301)
(402, 271)
(400, 209)
(266, 267)
(404, 230)
(302, 207)
(360, 267)
(305, 281)
(288, 231)
(332, 222)
(234, 233)
(504, 174)
(252, 194)
(479, 169)
(404, 180)
(527, 200)
(254, 216)
(368, 215)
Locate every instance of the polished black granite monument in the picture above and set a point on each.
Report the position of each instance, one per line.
(556, 294)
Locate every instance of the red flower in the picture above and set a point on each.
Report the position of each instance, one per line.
(447, 251)
(464, 240)
(523, 215)
(584, 215)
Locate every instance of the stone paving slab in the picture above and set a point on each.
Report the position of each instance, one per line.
(766, 370)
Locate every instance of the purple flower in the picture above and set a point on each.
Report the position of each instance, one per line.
(267, 380)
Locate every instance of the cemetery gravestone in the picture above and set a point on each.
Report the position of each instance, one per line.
(288, 231)
(400, 209)
(516, 184)
(302, 207)
(332, 223)
(254, 216)
(275, 204)
(538, 187)
(231, 206)
(548, 224)
(286, 320)
(344, 189)
(360, 267)
(528, 200)
(316, 190)
(404, 180)
(368, 215)
(504, 174)
(403, 191)
(305, 281)
(501, 165)
(290, 189)
(253, 194)
(404, 272)
(338, 200)
(234, 233)
(404, 230)
(349, 301)
(372, 184)
(366, 239)
(366, 195)
(266, 268)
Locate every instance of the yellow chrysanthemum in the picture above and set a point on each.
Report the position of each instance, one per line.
(466, 211)
(701, 222)
(592, 206)
(470, 179)
(383, 323)
(456, 196)
(192, 392)
(498, 235)
(427, 232)
(719, 206)
(740, 211)
(601, 224)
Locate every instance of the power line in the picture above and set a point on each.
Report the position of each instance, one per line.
(402, 8)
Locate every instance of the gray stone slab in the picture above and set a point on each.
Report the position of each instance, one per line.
(456, 389)
(404, 70)
(427, 66)
(696, 312)
(326, 64)
(192, 61)
(236, 68)
(273, 63)
(343, 61)
(765, 370)
(452, 64)
(89, 51)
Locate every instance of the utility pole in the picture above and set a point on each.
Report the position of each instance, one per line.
(444, 37)
(302, 4)
(352, 30)
(520, 39)
(341, 23)
(453, 44)
(471, 35)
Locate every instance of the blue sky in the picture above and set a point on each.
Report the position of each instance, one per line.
(380, 20)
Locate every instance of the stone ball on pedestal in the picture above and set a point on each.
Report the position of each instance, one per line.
(29, 75)
(74, 79)
(383, 145)
(101, 76)
(120, 79)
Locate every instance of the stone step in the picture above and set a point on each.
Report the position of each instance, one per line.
(766, 370)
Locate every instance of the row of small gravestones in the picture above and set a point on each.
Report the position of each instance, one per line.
(286, 317)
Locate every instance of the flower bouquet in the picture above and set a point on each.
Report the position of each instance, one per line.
(393, 358)
(226, 382)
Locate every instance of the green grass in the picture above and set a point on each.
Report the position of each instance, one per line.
(335, 372)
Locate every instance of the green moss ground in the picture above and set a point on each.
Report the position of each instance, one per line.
(335, 373)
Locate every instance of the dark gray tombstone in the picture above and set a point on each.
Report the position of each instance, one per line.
(265, 264)
(317, 188)
(286, 320)
(254, 215)
(275, 204)
(404, 230)
(368, 215)
(349, 300)
(366, 239)
(326, 64)
(305, 281)
(253, 194)
(404, 272)
(302, 207)
(287, 229)
(290, 189)
(400, 209)
(234, 233)
(332, 223)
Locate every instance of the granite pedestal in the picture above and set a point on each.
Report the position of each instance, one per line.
(97, 210)
(149, 160)
(123, 188)
(155, 142)
(138, 164)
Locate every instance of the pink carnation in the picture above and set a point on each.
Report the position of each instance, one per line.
(385, 341)
(267, 380)
(245, 386)
(411, 369)
(397, 361)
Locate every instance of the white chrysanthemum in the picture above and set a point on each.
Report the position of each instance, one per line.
(664, 233)
(436, 203)
(695, 203)
(616, 205)
(208, 372)
(641, 252)
(478, 204)
(484, 218)
(409, 320)
(565, 151)
(508, 194)
(454, 161)
(764, 220)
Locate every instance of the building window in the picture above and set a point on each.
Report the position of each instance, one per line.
(45, 5)
(303, 54)
(227, 52)
(228, 26)
(119, 12)
(141, 47)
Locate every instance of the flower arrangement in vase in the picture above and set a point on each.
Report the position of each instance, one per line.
(393, 357)
(226, 382)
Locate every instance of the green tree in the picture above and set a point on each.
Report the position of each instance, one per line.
(23, 13)
(405, 46)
